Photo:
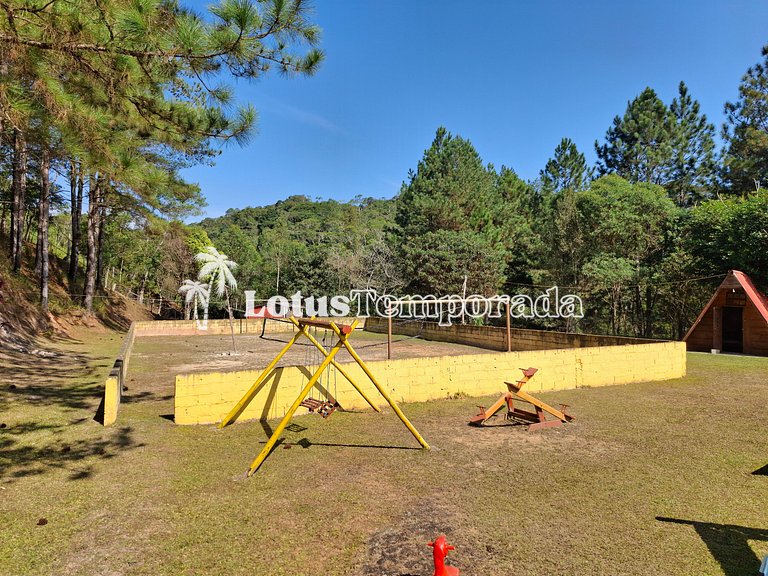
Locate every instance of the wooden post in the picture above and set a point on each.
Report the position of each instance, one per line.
(717, 328)
(509, 331)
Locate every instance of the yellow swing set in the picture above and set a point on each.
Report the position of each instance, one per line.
(342, 332)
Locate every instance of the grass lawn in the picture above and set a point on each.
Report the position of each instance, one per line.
(651, 478)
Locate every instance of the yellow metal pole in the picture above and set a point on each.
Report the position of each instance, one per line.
(252, 390)
(381, 390)
(339, 368)
(287, 418)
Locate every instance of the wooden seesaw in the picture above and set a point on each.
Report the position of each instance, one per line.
(535, 420)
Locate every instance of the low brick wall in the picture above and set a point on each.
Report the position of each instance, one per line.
(218, 327)
(205, 398)
(495, 337)
(113, 385)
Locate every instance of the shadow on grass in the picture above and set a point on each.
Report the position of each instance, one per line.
(22, 456)
(761, 471)
(307, 443)
(144, 396)
(47, 380)
(48, 385)
(728, 544)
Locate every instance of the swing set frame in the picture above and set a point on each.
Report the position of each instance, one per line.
(343, 333)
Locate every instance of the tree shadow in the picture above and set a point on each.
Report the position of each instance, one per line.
(46, 380)
(728, 544)
(22, 458)
(144, 396)
(38, 388)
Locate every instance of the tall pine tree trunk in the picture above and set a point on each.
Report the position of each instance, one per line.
(29, 219)
(3, 74)
(76, 197)
(39, 239)
(100, 248)
(19, 193)
(45, 197)
(3, 213)
(94, 194)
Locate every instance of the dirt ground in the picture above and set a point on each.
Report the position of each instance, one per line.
(157, 359)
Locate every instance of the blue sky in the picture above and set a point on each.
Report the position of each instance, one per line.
(513, 77)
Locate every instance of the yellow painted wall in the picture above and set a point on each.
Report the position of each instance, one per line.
(205, 398)
(113, 385)
(112, 395)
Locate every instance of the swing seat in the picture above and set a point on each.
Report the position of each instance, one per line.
(322, 407)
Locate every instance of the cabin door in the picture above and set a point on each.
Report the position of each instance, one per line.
(733, 329)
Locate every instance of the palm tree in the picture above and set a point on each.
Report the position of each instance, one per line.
(217, 271)
(197, 294)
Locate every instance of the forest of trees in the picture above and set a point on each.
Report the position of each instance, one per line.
(643, 237)
(114, 98)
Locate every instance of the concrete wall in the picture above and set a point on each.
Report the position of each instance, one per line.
(495, 337)
(205, 398)
(216, 327)
(113, 385)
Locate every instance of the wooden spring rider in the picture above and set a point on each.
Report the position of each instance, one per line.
(343, 332)
(535, 420)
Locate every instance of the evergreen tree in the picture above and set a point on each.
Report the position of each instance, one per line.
(693, 169)
(566, 170)
(131, 90)
(639, 146)
(519, 212)
(450, 204)
(745, 132)
(672, 147)
(450, 190)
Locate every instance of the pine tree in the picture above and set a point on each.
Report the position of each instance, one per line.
(745, 132)
(669, 146)
(693, 169)
(638, 147)
(130, 87)
(450, 190)
(566, 170)
(447, 217)
(76, 188)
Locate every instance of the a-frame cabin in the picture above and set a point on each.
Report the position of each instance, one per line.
(734, 320)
